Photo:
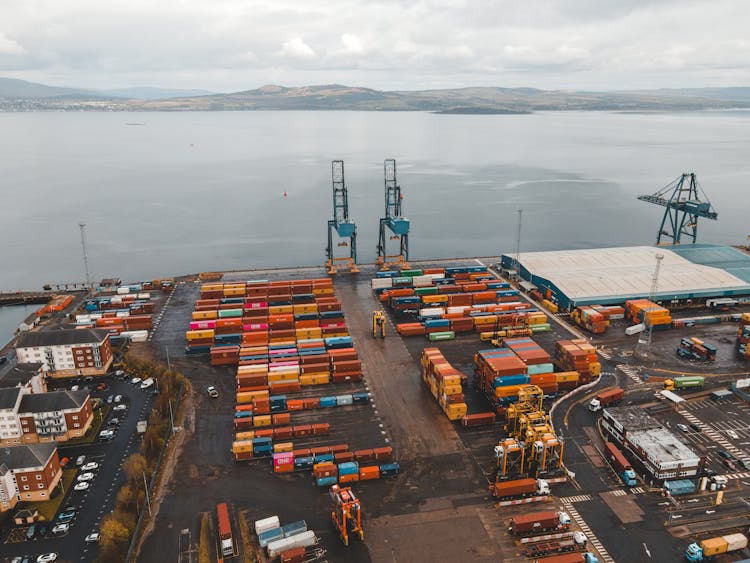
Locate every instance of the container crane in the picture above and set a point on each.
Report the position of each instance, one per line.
(685, 202)
(346, 514)
(345, 228)
(394, 221)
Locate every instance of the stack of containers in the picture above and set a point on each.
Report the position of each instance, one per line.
(743, 336)
(577, 356)
(648, 313)
(444, 382)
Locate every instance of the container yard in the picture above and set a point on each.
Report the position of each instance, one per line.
(426, 395)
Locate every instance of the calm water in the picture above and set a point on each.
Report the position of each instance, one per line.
(187, 192)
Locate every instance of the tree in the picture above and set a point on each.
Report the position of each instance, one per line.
(134, 466)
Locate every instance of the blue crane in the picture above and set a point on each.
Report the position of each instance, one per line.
(394, 221)
(345, 228)
(685, 202)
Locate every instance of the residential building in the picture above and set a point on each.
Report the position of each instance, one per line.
(29, 418)
(28, 376)
(68, 352)
(28, 473)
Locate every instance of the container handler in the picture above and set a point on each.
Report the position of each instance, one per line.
(378, 324)
(346, 514)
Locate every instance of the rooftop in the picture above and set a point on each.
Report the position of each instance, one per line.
(608, 272)
(30, 455)
(54, 401)
(60, 337)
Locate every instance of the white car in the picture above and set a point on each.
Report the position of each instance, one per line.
(147, 383)
(46, 557)
(92, 538)
(61, 529)
(136, 380)
(82, 486)
(90, 466)
(88, 476)
(120, 407)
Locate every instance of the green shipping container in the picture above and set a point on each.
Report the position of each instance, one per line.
(436, 336)
(229, 313)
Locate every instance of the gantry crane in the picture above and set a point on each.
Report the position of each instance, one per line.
(394, 221)
(346, 514)
(345, 228)
(685, 202)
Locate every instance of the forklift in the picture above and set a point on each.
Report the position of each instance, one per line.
(346, 514)
(378, 324)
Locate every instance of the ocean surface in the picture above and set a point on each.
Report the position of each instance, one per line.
(175, 193)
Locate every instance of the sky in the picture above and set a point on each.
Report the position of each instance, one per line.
(234, 45)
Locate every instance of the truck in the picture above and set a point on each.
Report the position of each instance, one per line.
(570, 558)
(684, 382)
(706, 549)
(575, 543)
(519, 488)
(606, 399)
(226, 544)
(539, 522)
(620, 464)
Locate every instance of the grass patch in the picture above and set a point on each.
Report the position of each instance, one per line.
(204, 547)
(100, 415)
(248, 548)
(48, 508)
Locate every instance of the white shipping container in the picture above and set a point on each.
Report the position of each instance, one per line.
(735, 541)
(305, 539)
(635, 329)
(266, 524)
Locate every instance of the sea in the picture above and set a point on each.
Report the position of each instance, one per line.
(170, 193)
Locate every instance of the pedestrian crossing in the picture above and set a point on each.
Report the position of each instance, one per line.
(631, 372)
(577, 498)
(593, 540)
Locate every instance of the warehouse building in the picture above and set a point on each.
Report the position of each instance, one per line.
(611, 276)
(650, 446)
(67, 353)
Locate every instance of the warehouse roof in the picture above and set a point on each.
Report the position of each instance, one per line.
(60, 337)
(607, 272)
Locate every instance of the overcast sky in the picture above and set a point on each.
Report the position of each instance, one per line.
(232, 45)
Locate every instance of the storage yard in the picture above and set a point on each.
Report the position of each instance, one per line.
(424, 423)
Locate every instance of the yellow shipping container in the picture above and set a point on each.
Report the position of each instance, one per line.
(198, 334)
(283, 447)
(242, 446)
(205, 315)
(262, 420)
(456, 411)
(714, 546)
(245, 435)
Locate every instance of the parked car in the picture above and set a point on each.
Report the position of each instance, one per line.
(61, 529)
(88, 476)
(46, 557)
(212, 392)
(92, 538)
(136, 380)
(90, 466)
(82, 486)
(80, 460)
(119, 407)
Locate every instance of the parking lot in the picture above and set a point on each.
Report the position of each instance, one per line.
(87, 506)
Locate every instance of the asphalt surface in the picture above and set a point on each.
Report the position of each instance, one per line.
(98, 501)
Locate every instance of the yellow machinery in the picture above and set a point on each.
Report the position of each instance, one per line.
(346, 514)
(378, 324)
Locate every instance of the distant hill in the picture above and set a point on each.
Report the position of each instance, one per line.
(150, 93)
(18, 95)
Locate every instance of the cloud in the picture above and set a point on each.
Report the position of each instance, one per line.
(9, 47)
(297, 49)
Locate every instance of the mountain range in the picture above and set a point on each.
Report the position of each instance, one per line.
(19, 95)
